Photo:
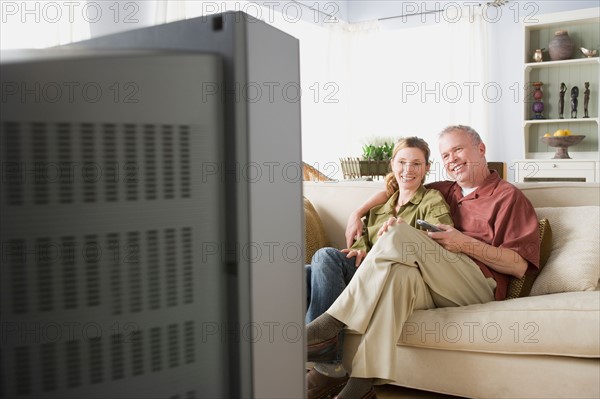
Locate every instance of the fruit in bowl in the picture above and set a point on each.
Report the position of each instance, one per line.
(561, 133)
(561, 142)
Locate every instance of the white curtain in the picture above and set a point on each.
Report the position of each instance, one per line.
(416, 81)
(40, 24)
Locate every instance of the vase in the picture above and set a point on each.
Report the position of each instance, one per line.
(538, 103)
(561, 46)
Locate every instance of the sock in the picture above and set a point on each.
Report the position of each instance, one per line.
(334, 370)
(356, 388)
(323, 328)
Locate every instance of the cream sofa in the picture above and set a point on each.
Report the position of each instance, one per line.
(546, 345)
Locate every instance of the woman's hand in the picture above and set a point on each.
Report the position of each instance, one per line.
(354, 229)
(358, 253)
(392, 221)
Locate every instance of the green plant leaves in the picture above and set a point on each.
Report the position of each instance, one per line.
(381, 152)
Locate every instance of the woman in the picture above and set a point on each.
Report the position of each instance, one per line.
(331, 270)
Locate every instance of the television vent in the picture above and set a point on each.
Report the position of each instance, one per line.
(111, 164)
(131, 165)
(73, 363)
(171, 266)
(190, 349)
(12, 170)
(41, 164)
(149, 270)
(155, 350)
(132, 261)
(90, 170)
(137, 353)
(173, 331)
(114, 358)
(46, 254)
(184, 162)
(69, 272)
(96, 360)
(23, 370)
(150, 160)
(116, 294)
(153, 263)
(17, 258)
(49, 366)
(118, 363)
(168, 162)
(187, 266)
(65, 161)
(44, 163)
(92, 254)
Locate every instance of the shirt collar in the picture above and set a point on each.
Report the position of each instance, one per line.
(390, 205)
(485, 189)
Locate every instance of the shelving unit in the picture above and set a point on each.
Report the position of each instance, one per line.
(583, 27)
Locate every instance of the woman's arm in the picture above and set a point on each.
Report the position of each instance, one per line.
(354, 226)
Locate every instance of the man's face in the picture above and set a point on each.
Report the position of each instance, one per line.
(464, 161)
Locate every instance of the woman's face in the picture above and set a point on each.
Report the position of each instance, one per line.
(409, 167)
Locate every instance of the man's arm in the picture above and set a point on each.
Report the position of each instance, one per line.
(354, 226)
(502, 260)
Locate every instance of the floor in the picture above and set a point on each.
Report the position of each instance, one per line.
(396, 392)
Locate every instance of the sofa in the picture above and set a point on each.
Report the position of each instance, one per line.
(544, 345)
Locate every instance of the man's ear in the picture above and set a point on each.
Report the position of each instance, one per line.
(482, 148)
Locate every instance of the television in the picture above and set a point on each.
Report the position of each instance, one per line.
(151, 215)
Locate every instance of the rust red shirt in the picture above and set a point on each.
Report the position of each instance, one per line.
(498, 214)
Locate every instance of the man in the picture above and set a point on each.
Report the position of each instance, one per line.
(494, 237)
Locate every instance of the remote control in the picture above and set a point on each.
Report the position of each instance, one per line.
(428, 226)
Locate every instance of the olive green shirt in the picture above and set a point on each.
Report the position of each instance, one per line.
(426, 204)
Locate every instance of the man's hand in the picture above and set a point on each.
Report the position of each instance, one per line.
(502, 260)
(450, 238)
(358, 253)
(354, 229)
(392, 221)
(354, 226)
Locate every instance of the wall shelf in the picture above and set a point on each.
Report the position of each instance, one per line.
(566, 120)
(538, 163)
(549, 64)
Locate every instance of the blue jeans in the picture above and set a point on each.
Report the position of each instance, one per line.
(326, 277)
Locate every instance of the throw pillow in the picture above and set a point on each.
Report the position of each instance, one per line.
(574, 263)
(314, 233)
(520, 287)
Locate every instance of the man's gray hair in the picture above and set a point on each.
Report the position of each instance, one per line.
(472, 133)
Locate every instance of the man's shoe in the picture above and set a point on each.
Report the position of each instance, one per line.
(320, 386)
(323, 351)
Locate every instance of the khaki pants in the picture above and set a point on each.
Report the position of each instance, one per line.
(404, 271)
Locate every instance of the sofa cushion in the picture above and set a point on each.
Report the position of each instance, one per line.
(566, 324)
(520, 287)
(314, 234)
(574, 262)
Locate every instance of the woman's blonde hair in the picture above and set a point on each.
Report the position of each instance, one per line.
(391, 185)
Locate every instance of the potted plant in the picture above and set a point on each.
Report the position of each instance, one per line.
(375, 161)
